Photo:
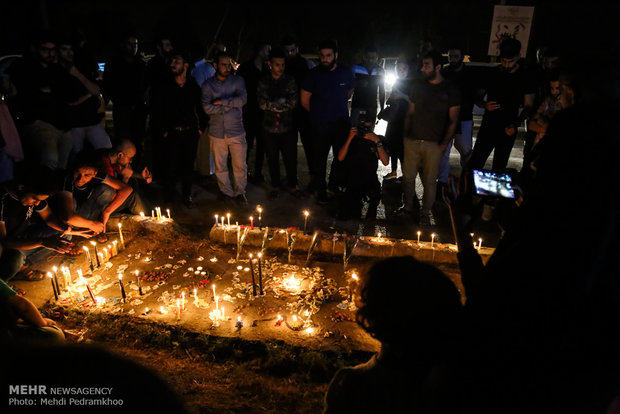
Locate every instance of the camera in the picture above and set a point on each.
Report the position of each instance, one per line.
(364, 124)
(493, 184)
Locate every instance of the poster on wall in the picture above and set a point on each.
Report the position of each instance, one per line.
(510, 21)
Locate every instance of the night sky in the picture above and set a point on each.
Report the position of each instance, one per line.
(394, 28)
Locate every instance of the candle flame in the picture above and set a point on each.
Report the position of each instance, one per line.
(306, 213)
(93, 243)
(49, 274)
(85, 249)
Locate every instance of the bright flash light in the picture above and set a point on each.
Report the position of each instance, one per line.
(390, 79)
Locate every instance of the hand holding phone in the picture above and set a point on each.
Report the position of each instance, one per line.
(493, 184)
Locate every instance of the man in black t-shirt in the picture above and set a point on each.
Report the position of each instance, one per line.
(429, 127)
(507, 88)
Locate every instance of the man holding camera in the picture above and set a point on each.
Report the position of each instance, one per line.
(429, 127)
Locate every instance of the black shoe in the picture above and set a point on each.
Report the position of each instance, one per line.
(189, 202)
(241, 200)
(322, 198)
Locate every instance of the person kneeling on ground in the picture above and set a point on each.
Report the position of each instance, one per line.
(360, 153)
(406, 376)
(21, 230)
(95, 196)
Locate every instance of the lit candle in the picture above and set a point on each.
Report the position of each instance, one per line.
(479, 244)
(90, 292)
(49, 274)
(100, 258)
(110, 250)
(260, 273)
(251, 223)
(55, 269)
(90, 260)
(183, 300)
(228, 219)
(96, 253)
(222, 221)
(158, 212)
(216, 221)
(306, 214)
(295, 322)
(139, 283)
(419, 233)
(379, 235)
(279, 320)
(260, 217)
(142, 215)
(178, 308)
(239, 324)
(213, 287)
(252, 268)
(222, 312)
(195, 294)
(432, 239)
(115, 247)
(120, 284)
(162, 310)
(106, 254)
(168, 213)
(120, 234)
(152, 213)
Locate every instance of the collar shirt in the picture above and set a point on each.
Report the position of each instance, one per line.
(225, 120)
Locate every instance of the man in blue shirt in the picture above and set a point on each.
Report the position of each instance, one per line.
(325, 93)
(223, 96)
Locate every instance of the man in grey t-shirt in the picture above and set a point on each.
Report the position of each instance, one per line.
(429, 127)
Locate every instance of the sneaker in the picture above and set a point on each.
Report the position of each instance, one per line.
(241, 200)
(390, 176)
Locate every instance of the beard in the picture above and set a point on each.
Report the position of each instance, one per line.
(327, 67)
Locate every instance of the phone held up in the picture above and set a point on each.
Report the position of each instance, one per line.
(493, 184)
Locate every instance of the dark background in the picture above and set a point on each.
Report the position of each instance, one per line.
(394, 28)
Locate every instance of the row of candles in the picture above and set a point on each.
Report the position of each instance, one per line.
(156, 214)
(259, 209)
(107, 252)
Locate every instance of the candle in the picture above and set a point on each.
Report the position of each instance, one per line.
(120, 234)
(222, 221)
(96, 253)
(479, 244)
(195, 294)
(106, 254)
(110, 250)
(216, 216)
(252, 269)
(379, 235)
(213, 286)
(90, 292)
(217, 299)
(49, 274)
(251, 223)
(120, 284)
(142, 216)
(115, 247)
(55, 269)
(279, 320)
(162, 310)
(178, 308)
(228, 219)
(432, 239)
(66, 274)
(419, 233)
(260, 217)
(260, 273)
(222, 312)
(158, 212)
(90, 260)
(152, 213)
(100, 257)
(168, 213)
(139, 283)
(183, 300)
(239, 324)
(306, 214)
(295, 323)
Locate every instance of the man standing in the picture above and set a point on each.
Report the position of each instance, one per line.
(179, 103)
(277, 96)
(369, 84)
(429, 126)
(124, 83)
(325, 93)
(82, 102)
(223, 96)
(462, 76)
(38, 104)
(251, 72)
(297, 66)
(508, 86)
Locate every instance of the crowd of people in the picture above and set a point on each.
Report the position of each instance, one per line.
(536, 309)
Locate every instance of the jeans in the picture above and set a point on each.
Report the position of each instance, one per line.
(237, 148)
(96, 135)
(425, 155)
(333, 136)
(463, 144)
(51, 145)
(286, 143)
(492, 136)
(93, 207)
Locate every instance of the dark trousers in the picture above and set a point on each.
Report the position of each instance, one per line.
(285, 143)
(492, 136)
(180, 147)
(333, 136)
(130, 123)
(254, 133)
(359, 188)
(302, 126)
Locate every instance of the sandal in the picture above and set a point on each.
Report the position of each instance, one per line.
(30, 275)
(18, 291)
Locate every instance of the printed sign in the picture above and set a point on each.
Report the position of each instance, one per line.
(510, 21)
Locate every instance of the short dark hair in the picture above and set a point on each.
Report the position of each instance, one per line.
(370, 49)
(38, 37)
(328, 44)
(509, 48)
(434, 55)
(181, 54)
(218, 55)
(277, 52)
(288, 40)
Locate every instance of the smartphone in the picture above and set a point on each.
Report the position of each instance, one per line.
(493, 184)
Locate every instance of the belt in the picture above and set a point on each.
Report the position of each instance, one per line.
(183, 128)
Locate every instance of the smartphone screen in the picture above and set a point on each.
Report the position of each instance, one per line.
(490, 183)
